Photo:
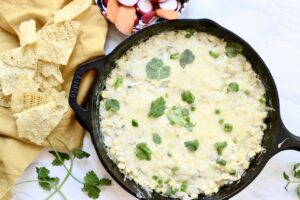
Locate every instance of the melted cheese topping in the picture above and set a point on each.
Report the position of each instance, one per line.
(207, 78)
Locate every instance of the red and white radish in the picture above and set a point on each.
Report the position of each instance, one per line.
(158, 1)
(105, 2)
(148, 17)
(144, 6)
(169, 5)
(128, 2)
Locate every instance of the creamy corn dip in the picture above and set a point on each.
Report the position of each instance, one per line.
(183, 113)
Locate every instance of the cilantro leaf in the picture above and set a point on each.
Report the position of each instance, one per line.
(157, 108)
(134, 123)
(183, 186)
(156, 138)
(188, 97)
(78, 153)
(190, 32)
(156, 70)
(187, 57)
(174, 56)
(228, 127)
(45, 181)
(174, 170)
(296, 170)
(168, 192)
(118, 82)
(285, 176)
(221, 162)
(232, 172)
(112, 105)
(142, 152)
(105, 181)
(192, 145)
(220, 146)
(57, 161)
(214, 54)
(298, 190)
(232, 49)
(180, 117)
(90, 184)
(233, 87)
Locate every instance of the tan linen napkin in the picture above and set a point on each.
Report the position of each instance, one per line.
(16, 153)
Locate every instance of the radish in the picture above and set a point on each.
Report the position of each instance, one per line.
(105, 2)
(158, 1)
(144, 6)
(169, 5)
(148, 17)
(128, 2)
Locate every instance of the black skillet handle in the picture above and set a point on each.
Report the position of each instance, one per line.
(285, 140)
(83, 114)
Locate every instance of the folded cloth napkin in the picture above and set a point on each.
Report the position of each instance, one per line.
(17, 153)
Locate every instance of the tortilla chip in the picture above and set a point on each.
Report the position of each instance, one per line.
(57, 41)
(51, 69)
(27, 32)
(72, 10)
(19, 99)
(37, 123)
(9, 76)
(4, 100)
(19, 57)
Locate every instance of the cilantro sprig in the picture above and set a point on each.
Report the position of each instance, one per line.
(180, 117)
(295, 179)
(187, 57)
(91, 182)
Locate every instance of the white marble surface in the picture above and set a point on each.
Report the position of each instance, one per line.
(272, 27)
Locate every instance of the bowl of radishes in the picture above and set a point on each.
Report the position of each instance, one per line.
(130, 16)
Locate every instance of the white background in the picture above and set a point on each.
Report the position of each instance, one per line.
(272, 27)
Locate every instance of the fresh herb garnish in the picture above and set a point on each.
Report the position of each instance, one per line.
(214, 54)
(228, 127)
(221, 121)
(91, 184)
(169, 154)
(247, 92)
(232, 172)
(134, 123)
(262, 100)
(180, 117)
(190, 32)
(233, 87)
(188, 97)
(174, 170)
(295, 179)
(157, 108)
(174, 56)
(168, 192)
(221, 162)
(143, 152)
(45, 181)
(78, 153)
(112, 105)
(217, 111)
(192, 145)
(184, 186)
(118, 82)
(187, 57)
(156, 138)
(220, 146)
(57, 161)
(232, 49)
(156, 70)
(193, 108)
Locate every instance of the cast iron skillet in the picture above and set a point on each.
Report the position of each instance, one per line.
(277, 138)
